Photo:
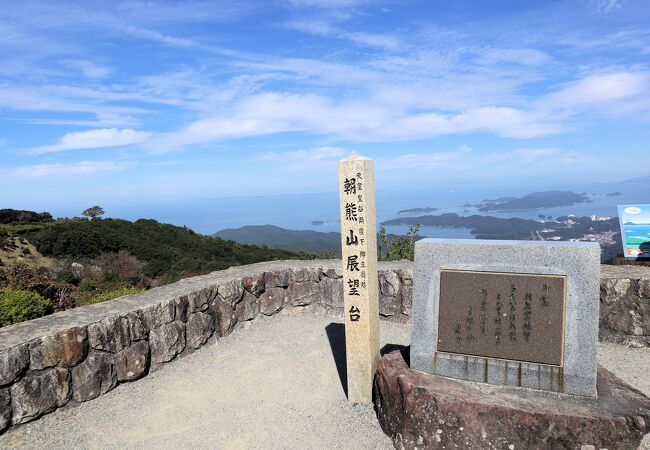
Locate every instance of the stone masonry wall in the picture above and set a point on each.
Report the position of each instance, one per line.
(77, 355)
(625, 304)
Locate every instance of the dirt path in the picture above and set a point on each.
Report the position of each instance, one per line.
(272, 385)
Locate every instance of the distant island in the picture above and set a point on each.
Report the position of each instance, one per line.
(317, 222)
(532, 201)
(413, 211)
(645, 179)
(564, 228)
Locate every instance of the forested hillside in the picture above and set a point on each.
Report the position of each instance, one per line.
(164, 249)
(49, 265)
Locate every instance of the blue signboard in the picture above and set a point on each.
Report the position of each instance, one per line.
(635, 230)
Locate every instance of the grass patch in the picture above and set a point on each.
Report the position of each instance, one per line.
(110, 295)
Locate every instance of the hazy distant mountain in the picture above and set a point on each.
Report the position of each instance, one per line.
(276, 237)
(636, 180)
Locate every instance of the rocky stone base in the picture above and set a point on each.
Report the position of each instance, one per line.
(420, 411)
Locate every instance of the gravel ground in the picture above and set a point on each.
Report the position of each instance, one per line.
(274, 384)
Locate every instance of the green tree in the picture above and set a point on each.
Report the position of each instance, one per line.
(93, 211)
(393, 248)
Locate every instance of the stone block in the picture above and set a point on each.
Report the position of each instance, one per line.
(181, 308)
(5, 409)
(305, 293)
(390, 300)
(200, 326)
(389, 283)
(222, 313)
(332, 273)
(137, 331)
(577, 262)
(644, 288)
(94, 377)
(201, 299)
(628, 316)
(614, 289)
(406, 276)
(158, 314)
(272, 299)
(248, 308)
(13, 363)
(302, 274)
(254, 284)
(38, 394)
(331, 294)
(65, 349)
(407, 299)
(389, 306)
(419, 410)
(231, 291)
(110, 334)
(278, 278)
(132, 362)
(166, 342)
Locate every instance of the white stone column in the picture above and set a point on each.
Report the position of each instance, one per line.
(360, 283)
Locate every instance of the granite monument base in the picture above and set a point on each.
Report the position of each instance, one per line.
(420, 410)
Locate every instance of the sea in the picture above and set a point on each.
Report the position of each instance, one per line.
(320, 211)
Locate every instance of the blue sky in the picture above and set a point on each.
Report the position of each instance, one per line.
(158, 101)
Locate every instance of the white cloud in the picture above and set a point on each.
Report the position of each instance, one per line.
(606, 6)
(429, 160)
(325, 29)
(355, 120)
(600, 89)
(106, 137)
(466, 159)
(160, 37)
(532, 154)
(89, 69)
(314, 154)
(307, 159)
(66, 170)
(523, 56)
(502, 121)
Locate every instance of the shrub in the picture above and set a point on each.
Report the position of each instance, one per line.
(20, 216)
(18, 306)
(393, 248)
(68, 276)
(20, 277)
(110, 295)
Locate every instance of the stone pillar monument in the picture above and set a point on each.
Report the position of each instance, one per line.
(360, 283)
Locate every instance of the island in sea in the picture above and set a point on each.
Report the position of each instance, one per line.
(602, 230)
(415, 211)
(532, 201)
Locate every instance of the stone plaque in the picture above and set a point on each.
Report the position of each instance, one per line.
(517, 317)
(514, 313)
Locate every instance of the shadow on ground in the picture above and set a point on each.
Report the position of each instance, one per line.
(336, 336)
